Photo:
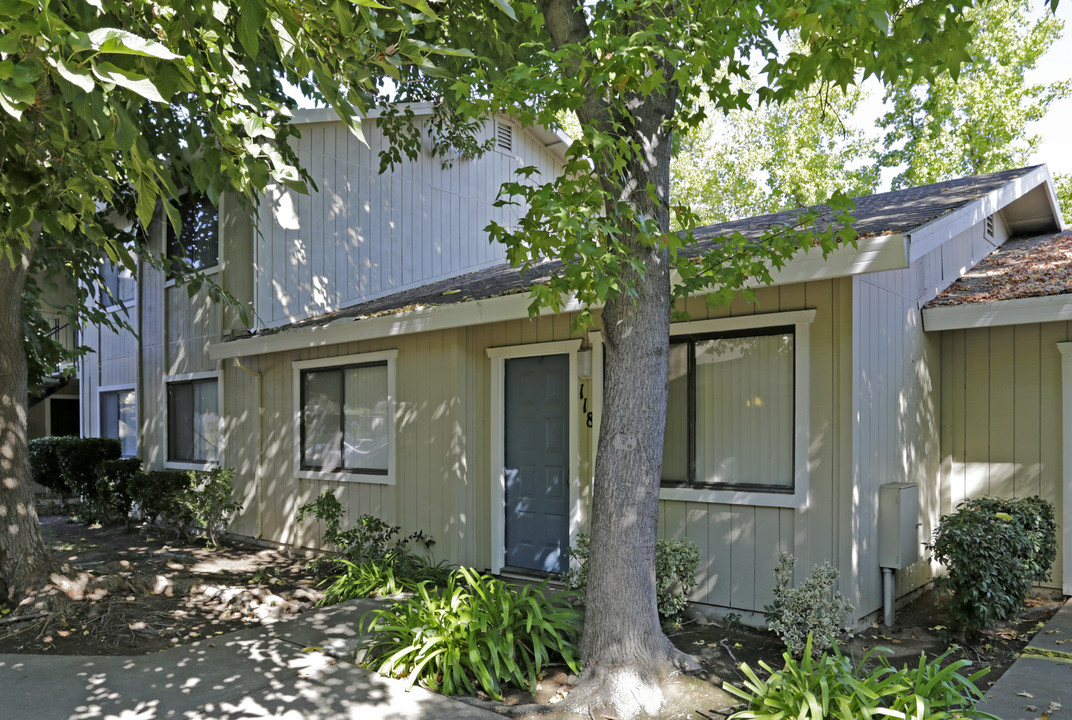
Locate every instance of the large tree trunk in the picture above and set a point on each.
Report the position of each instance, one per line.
(24, 562)
(628, 660)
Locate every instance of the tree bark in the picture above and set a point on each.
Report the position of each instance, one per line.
(24, 562)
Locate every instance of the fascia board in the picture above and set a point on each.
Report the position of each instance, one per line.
(1020, 311)
(442, 317)
(930, 236)
(873, 254)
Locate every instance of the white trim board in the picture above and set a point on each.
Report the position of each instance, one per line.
(498, 357)
(998, 312)
(1065, 348)
(425, 319)
(873, 254)
(930, 236)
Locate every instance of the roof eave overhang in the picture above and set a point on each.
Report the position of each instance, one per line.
(994, 313)
(875, 254)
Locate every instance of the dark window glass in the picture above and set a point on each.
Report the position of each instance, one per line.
(345, 420)
(730, 411)
(197, 247)
(193, 421)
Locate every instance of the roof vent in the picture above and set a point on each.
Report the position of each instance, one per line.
(988, 228)
(504, 137)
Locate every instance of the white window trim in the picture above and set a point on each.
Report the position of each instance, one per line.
(187, 377)
(137, 412)
(801, 321)
(390, 356)
(499, 356)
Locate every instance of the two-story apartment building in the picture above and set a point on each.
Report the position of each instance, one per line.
(391, 360)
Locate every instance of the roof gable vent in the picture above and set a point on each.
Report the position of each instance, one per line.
(504, 137)
(988, 228)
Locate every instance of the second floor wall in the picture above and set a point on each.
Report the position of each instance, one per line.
(361, 235)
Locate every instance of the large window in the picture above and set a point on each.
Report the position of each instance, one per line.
(730, 411)
(197, 246)
(119, 418)
(193, 421)
(345, 419)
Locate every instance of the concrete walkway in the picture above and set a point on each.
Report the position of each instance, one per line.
(1039, 683)
(267, 672)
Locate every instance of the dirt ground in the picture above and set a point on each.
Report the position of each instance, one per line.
(161, 591)
(165, 592)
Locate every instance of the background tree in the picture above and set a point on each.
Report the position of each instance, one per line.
(635, 74)
(774, 157)
(770, 158)
(975, 121)
(110, 109)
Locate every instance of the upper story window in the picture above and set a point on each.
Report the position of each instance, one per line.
(197, 247)
(119, 285)
(345, 417)
(730, 411)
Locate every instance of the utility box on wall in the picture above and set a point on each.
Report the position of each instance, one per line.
(898, 523)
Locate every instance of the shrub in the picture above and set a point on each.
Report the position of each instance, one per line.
(1036, 517)
(208, 500)
(370, 537)
(157, 494)
(112, 500)
(45, 468)
(79, 460)
(833, 688)
(676, 562)
(993, 549)
(476, 631)
(809, 610)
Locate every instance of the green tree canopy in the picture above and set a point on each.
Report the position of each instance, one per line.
(110, 109)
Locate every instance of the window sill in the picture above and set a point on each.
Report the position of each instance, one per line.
(756, 498)
(207, 465)
(350, 477)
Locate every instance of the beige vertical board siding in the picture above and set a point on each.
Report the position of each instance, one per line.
(1005, 441)
(89, 381)
(816, 526)
(1051, 440)
(152, 350)
(1026, 403)
(1001, 387)
(896, 408)
(241, 443)
(118, 353)
(414, 224)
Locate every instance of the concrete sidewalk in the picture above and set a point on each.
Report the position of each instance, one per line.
(267, 672)
(1039, 683)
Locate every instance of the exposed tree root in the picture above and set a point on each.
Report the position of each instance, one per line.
(624, 693)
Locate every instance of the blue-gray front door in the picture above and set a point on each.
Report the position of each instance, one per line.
(536, 445)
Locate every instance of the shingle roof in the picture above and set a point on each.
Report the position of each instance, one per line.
(880, 214)
(1020, 268)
